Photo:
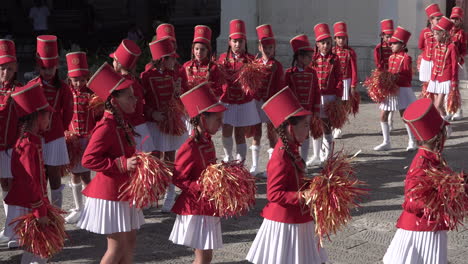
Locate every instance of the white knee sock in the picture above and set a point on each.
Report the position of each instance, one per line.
(77, 195)
(241, 151)
(57, 196)
(5, 206)
(385, 132)
(255, 155)
(227, 147)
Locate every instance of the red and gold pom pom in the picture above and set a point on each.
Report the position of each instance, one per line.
(44, 241)
(229, 187)
(173, 123)
(147, 183)
(353, 103)
(453, 101)
(332, 194)
(96, 104)
(75, 151)
(380, 85)
(251, 77)
(337, 113)
(316, 126)
(424, 93)
(444, 194)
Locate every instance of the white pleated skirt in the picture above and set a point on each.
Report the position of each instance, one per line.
(144, 142)
(279, 243)
(425, 70)
(263, 117)
(197, 231)
(5, 163)
(439, 87)
(164, 142)
(413, 247)
(79, 167)
(107, 217)
(346, 89)
(324, 100)
(400, 101)
(14, 211)
(241, 115)
(55, 152)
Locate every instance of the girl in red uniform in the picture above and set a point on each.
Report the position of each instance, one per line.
(444, 75)
(382, 52)
(287, 234)
(110, 153)
(160, 89)
(241, 108)
(125, 59)
(418, 240)
(60, 98)
(399, 64)
(28, 191)
(427, 42)
(271, 83)
(459, 39)
(327, 66)
(348, 64)
(196, 225)
(82, 124)
(8, 119)
(303, 82)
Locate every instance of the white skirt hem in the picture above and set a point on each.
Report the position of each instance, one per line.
(197, 231)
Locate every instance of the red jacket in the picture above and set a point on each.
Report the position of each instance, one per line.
(381, 54)
(445, 59)
(400, 63)
(459, 39)
(29, 186)
(8, 118)
(107, 154)
(273, 82)
(411, 217)
(348, 63)
(196, 72)
(426, 43)
(329, 74)
(192, 158)
(61, 100)
(138, 117)
(232, 91)
(304, 84)
(159, 89)
(83, 120)
(283, 183)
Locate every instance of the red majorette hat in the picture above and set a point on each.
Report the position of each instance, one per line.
(265, 34)
(444, 24)
(340, 29)
(106, 80)
(202, 34)
(400, 35)
(165, 30)
(423, 119)
(29, 99)
(322, 31)
(7, 51)
(237, 29)
(77, 64)
(282, 106)
(200, 99)
(127, 53)
(433, 10)
(300, 42)
(162, 48)
(386, 26)
(47, 51)
(457, 12)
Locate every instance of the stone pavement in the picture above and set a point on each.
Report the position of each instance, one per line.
(364, 240)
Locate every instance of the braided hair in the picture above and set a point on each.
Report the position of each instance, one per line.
(26, 123)
(127, 127)
(281, 130)
(195, 122)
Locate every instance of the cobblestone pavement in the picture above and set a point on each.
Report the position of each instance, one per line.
(364, 240)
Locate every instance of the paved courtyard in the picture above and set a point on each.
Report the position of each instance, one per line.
(364, 240)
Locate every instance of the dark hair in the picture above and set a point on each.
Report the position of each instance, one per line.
(26, 122)
(190, 72)
(229, 50)
(127, 127)
(297, 54)
(282, 133)
(195, 122)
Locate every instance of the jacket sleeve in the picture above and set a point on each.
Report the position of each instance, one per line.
(405, 75)
(184, 165)
(316, 99)
(278, 177)
(454, 66)
(421, 41)
(30, 160)
(338, 76)
(67, 106)
(217, 80)
(377, 57)
(148, 108)
(97, 155)
(412, 205)
(354, 70)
